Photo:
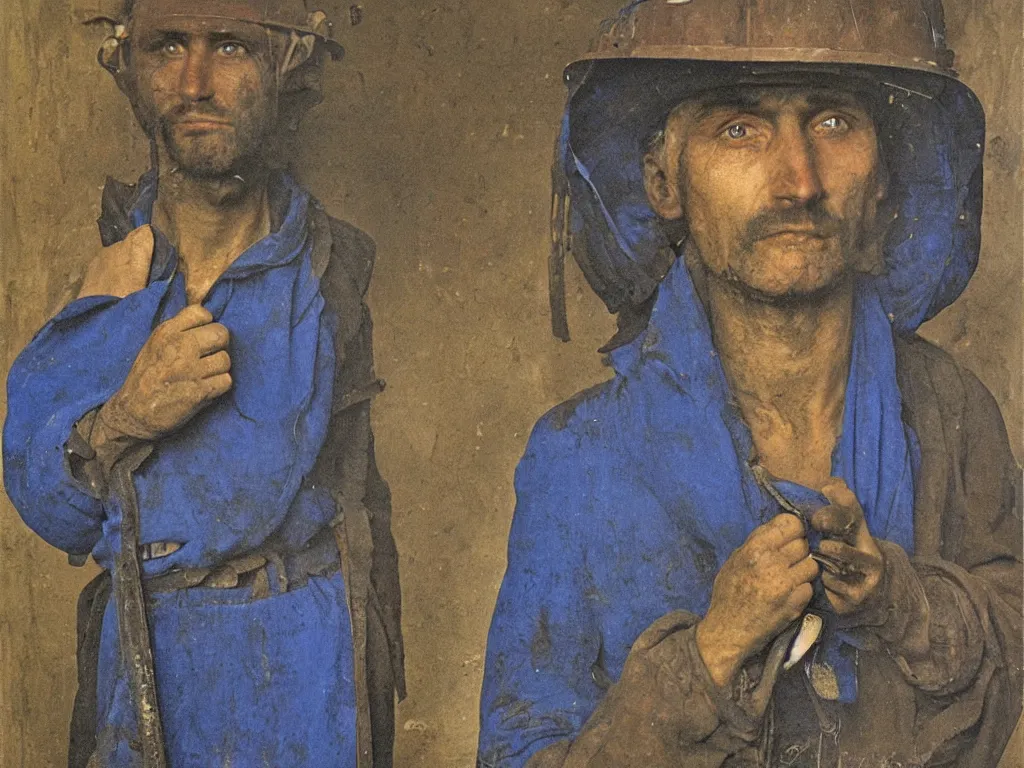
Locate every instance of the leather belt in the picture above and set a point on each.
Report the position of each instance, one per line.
(267, 571)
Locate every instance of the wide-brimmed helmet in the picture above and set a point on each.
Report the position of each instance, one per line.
(657, 53)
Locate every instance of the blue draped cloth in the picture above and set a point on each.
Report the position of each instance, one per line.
(630, 499)
(240, 681)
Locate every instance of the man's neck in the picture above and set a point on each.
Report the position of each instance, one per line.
(211, 222)
(787, 365)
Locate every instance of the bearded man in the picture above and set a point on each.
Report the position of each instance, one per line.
(788, 531)
(197, 419)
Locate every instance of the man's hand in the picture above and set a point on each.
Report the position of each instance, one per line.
(182, 368)
(763, 587)
(849, 542)
(121, 268)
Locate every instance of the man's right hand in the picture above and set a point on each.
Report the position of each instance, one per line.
(182, 368)
(762, 588)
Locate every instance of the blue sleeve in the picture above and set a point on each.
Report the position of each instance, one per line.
(539, 685)
(73, 365)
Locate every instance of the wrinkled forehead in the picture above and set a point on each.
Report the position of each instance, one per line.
(187, 18)
(767, 97)
(146, 27)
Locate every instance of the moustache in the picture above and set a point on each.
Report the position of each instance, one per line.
(811, 219)
(189, 111)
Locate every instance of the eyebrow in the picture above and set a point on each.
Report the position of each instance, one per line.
(738, 102)
(215, 38)
(749, 102)
(823, 100)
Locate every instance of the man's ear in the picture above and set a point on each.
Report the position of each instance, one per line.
(882, 183)
(300, 49)
(881, 175)
(662, 188)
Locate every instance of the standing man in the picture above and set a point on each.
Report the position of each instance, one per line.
(787, 532)
(197, 420)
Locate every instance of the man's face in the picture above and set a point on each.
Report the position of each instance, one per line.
(779, 187)
(206, 90)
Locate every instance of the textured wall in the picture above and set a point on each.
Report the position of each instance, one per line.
(436, 138)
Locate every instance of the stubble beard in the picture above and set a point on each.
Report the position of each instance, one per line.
(223, 152)
(854, 247)
(216, 154)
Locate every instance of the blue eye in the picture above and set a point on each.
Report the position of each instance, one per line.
(232, 49)
(736, 131)
(834, 123)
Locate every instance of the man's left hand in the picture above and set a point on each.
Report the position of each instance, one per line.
(848, 541)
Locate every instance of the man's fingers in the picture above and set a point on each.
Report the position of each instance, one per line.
(215, 386)
(838, 492)
(854, 564)
(840, 602)
(805, 571)
(792, 552)
(780, 530)
(842, 589)
(210, 338)
(192, 316)
(799, 598)
(215, 364)
(838, 521)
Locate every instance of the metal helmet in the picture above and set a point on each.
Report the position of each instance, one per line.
(657, 53)
(908, 34)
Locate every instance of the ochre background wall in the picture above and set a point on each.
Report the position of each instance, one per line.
(435, 137)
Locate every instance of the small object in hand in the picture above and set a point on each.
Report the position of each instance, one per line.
(810, 630)
(837, 567)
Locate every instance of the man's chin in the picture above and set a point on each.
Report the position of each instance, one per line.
(211, 166)
(792, 294)
(210, 157)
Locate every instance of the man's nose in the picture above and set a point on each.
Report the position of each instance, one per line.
(196, 77)
(796, 178)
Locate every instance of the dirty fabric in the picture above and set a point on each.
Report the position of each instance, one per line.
(240, 682)
(591, 657)
(630, 500)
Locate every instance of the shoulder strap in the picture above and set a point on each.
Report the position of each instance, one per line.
(133, 623)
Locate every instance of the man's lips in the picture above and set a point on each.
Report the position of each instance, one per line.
(798, 235)
(201, 124)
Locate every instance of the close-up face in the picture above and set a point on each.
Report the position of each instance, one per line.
(206, 90)
(779, 187)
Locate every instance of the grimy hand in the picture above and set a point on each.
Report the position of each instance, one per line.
(762, 588)
(182, 368)
(848, 540)
(121, 268)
